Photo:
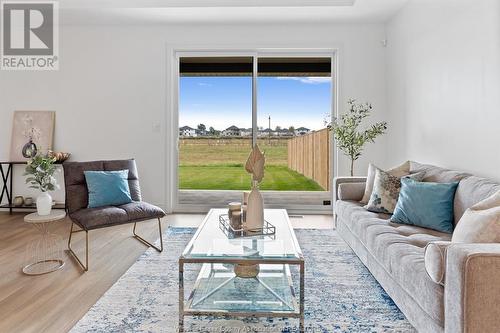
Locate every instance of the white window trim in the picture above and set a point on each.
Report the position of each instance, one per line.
(174, 52)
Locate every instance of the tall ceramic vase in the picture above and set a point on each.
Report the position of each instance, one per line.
(255, 209)
(43, 203)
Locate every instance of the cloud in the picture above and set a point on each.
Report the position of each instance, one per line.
(204, 84)
(306, 79)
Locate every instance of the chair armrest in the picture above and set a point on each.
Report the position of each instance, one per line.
(347, 180)
(472, 288)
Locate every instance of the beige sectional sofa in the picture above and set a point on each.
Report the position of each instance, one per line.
(469, 301)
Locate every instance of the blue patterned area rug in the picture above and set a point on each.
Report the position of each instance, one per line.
(340, 295)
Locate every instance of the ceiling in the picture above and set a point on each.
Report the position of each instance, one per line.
(129, 12)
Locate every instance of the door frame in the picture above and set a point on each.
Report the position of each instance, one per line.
(175, 52)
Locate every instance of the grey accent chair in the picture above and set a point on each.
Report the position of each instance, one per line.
(101, 217)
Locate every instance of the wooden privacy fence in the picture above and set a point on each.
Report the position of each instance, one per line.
(309, 155)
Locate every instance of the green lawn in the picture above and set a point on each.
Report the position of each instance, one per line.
(217, 164)
(234, 177)
(201, 151)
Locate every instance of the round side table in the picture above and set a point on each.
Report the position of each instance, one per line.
(44, 253)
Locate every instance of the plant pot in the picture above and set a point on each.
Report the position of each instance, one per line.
(44, 203)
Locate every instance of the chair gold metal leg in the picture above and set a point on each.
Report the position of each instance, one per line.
(148, 243)
(71, 232)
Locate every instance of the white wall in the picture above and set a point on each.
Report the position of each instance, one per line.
(112, 85)
(443, 72)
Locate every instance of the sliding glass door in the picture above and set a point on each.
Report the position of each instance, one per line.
(215, 118)
(226, 104)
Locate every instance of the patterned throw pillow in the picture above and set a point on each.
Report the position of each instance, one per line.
(399, 171)
(386, 191)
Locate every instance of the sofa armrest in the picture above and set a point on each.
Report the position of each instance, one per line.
(347, 180)
(351, 191)
(472, 288)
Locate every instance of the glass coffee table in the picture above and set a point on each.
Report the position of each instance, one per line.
(218, 291)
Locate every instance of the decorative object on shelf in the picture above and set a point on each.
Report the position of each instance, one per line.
(29, 149)
(7, 186)
(244, 206)
(234, 214)
(350, 140)
(236, 219)
(18, 201)
(31, 132)
(255, 209)
(267, 229)
(40, 175)
(244, 213)
(59, 157)
(28, 201)
(248, 271)
(245, 197)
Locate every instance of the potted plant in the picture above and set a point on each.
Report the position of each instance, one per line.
(350, 139)
(40, 175)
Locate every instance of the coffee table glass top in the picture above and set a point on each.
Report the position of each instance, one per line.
(210, 242)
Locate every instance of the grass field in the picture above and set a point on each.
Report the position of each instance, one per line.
(217, 164)
(234, 177)
(202, 151)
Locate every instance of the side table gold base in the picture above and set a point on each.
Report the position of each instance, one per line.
(31, 268)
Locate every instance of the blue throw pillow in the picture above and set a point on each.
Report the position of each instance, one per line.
(428, 205)
(107, 188)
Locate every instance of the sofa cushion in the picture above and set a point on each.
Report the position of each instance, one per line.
(400, 250)
(435, 260)
(92, 218)
(142, 210)
(398, 171)
(388, 241)
(355, 209)
(437, 174)
(357, 218)
(385, 192)
(428, 205)
(470, 191)
(409, 271)
(480, 223)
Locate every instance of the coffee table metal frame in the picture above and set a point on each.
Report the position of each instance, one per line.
(187, 311)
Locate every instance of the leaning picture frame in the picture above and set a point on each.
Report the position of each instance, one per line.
(32, 132)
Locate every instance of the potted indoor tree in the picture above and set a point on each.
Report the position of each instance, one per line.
(349, 138)
(40, 175)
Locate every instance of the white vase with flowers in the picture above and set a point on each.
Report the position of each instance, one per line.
(40, 175)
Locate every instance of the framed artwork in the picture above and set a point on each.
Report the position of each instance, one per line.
(32, 131)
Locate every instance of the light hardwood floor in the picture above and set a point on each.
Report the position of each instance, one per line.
(55, 302)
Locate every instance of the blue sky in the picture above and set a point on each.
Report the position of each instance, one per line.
(224, 101)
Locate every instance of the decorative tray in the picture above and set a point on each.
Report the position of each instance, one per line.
(267, 229)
